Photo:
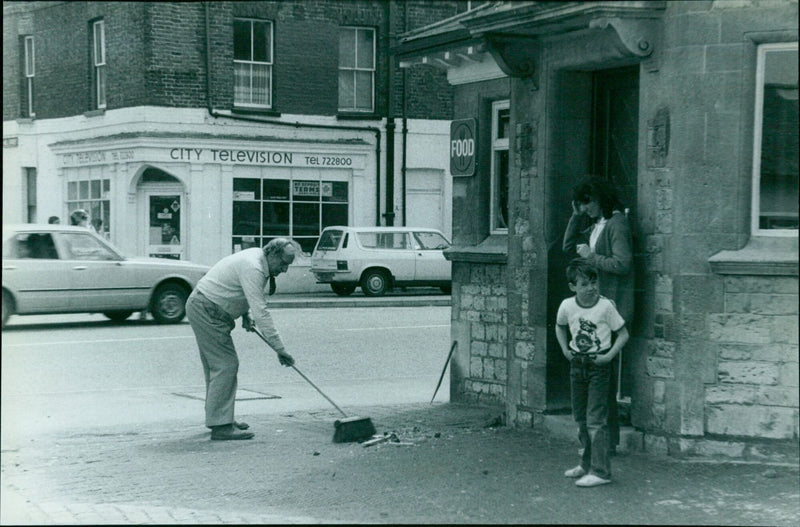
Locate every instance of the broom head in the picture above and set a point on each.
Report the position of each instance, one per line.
(353, 429)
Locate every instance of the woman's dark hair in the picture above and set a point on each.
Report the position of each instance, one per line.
(600, 190)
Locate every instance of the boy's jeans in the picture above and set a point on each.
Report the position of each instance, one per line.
(590, 385)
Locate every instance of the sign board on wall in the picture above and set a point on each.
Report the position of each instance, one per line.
(463, 139)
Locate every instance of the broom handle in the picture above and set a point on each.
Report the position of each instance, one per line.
(320, 391)
(258, 332)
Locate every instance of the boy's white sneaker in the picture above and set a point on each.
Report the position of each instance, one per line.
(590, 480)
(575, 472)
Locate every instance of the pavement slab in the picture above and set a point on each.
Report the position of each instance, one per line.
(449, 464)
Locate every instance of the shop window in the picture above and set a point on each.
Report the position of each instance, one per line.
(93, 196)
(356, 69)
(252, 63)
(99, 64)
(29, 71)
(264, 209)
(775, 159)
(499, 167)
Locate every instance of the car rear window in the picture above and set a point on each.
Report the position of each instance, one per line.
(329, 241)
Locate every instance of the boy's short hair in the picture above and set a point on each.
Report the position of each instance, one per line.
(581, 267)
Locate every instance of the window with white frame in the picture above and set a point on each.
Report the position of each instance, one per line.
(93, 196)
(252, 63)
(99, 63)
(499, 167)
(264, 209)
(356, 69)
(775, 150)
(30, 71)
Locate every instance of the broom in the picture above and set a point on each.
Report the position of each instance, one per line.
(346, 430)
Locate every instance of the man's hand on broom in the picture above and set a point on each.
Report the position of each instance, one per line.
(247, 323)
(284, 358)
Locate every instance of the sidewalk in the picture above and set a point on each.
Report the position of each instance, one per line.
(412, 297)
(452, 464)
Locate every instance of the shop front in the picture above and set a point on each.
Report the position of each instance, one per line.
(178, 197)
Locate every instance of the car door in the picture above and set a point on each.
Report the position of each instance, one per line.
(392, 250)
(431, 264)
(99, 277)
(34, 271)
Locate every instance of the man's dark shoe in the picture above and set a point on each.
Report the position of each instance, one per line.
(228, 433)
(241, 425)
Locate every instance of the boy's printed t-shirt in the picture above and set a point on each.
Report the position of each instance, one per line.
(590, 327)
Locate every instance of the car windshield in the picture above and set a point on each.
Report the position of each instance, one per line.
(329, 241)
(431, 240)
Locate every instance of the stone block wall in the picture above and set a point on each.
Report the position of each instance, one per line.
(716, 372)
(755, 393)
(479, 325)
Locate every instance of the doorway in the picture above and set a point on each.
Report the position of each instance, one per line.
(164, 229)
(595, 130)
(615, 157)
(161, 215)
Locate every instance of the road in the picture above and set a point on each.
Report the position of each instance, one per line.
(60, 371)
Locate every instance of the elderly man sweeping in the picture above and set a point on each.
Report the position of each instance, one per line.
(236, 284)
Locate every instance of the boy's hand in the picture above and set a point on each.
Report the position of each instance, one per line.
(247, 323)
(605, 358)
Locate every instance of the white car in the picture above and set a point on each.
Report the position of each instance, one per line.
(380, 258)
(61, 269)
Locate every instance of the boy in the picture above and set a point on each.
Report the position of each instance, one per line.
(591, 319)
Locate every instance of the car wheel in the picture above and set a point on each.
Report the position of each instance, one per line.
(343, 289)
(8, 307)
(118, 316)
(169, 304)
(374, 282)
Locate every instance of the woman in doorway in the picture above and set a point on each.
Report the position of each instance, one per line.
(599, 231)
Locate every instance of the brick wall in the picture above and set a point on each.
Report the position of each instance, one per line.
(156, 55)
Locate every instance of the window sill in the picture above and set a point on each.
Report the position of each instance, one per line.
(354, 116)
(492, 250)
(763, 255)
(256, 111)
(95, 113)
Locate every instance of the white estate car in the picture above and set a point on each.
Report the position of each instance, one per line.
(63, 269)
(380, 258)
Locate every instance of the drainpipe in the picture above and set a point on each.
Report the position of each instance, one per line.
(373, 129)
(389, 214)
(405, 121)
(405, 151)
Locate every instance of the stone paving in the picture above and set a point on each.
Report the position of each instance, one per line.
(452, 464)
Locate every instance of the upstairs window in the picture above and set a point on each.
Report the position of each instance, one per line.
(356, 69)
(29, 72)
(252, 63)
(499, 167)
(775, 150)
(99, 64)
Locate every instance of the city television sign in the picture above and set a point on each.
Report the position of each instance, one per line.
(462, 147)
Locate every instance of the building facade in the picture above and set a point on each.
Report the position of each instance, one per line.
(690, 109)
(196, 129)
